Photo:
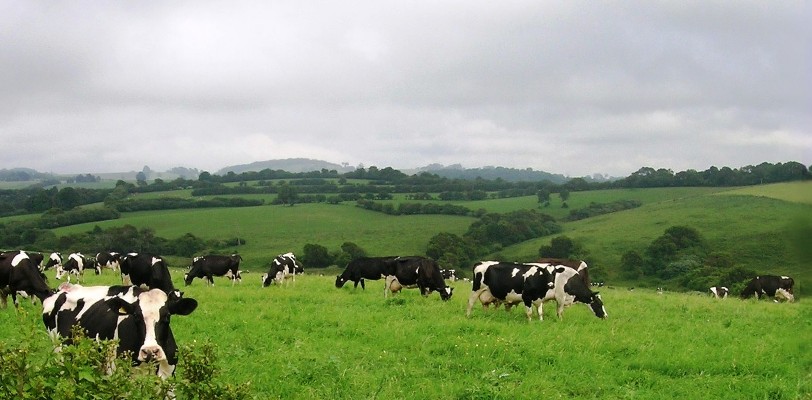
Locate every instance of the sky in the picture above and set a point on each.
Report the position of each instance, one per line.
(571, 87)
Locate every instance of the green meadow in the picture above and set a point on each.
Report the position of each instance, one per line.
(310, 340)
(763, 228)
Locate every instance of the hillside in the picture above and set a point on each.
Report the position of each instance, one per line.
(762, 228)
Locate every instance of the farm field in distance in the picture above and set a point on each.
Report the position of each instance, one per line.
(310, 340)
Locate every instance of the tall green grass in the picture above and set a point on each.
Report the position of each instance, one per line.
(309, 340)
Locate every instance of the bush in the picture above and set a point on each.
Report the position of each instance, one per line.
(88, 369)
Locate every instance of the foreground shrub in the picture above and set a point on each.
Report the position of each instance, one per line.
(88, 369)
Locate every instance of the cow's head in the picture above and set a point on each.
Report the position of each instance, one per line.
(596, 304)
(446, 292)
(151, 314)
(340, 281)
(266, 280)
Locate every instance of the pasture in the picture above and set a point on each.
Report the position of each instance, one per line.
(309, 340)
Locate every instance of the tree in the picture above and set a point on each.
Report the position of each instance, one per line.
(560, 247)
(316, 256)
(353, 250)
(543, 195)
(632, 264)
(287, 194)
(564, 194)
(67, 198)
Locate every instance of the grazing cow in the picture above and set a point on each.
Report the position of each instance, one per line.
(284, 267)
(214, 265)
(148, 270)
(54, 261)
(138, 318)
(420, 272)
(74, 265)
(372, 268)
(533, 284)
(777, 287)
(111, 260)
(19, 274)
(449, 274)
(510, 283)
(719, 292)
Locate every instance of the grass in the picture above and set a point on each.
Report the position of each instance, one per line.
(310, 340)
(271, 230)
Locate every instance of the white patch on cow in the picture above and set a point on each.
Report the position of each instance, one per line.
(19, 258)
(196, 259)
(784, 277)
(715, 293)
(155, 260)
(783, 294)
(514, 272)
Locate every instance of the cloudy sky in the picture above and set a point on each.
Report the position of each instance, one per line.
(571, 87)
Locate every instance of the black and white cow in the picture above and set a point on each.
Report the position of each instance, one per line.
(137, 317)
(214, 265)
(449, 274)
(19, 274)
(75, 264)
(283, 267)
(532, 284)
(420, 272)
(111, 260)
(147, 270)
(719, 292)
(510, 283)
(54, 261)
(777, 287)
(372, 268)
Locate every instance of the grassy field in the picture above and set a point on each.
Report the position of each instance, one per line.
(764, 228)
(310, 340)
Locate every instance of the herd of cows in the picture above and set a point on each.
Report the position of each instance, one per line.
(138, 311)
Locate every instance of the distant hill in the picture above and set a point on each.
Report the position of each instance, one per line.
(456, 171)
(289, 165)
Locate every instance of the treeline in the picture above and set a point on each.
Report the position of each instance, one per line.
(413, 208)
(594, 209)
(168, 203)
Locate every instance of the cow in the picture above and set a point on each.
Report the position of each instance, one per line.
(420, 272)
(777, 287)
(533, 284)
(147, 270)
(372, 268)
(510, 283)
(283, 267)
(111, 260)
(54, 261)
(19, 274)
(719, 292)
(449, 274)
(138, 318)
(74, 265)
(214, 265)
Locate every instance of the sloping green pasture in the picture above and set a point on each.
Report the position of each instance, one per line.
(309, 340)
(762, 233)
(271, 230)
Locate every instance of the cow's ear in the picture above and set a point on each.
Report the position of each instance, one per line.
(183, 306)
(120, 306)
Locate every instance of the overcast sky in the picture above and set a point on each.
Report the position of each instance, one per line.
(569, 87)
